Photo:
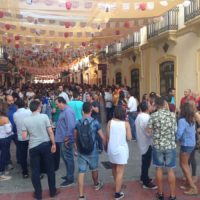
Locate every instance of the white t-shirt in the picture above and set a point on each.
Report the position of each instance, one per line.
(144, 140)
(108, 99)
(30, 94)
(18, 117)
(132, 104)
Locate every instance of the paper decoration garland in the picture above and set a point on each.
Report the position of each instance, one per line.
(68, 5)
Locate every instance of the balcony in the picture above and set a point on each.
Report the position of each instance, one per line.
(114, 49)
(117, 48)
(131, 41)
(169, 21)
(192, 11)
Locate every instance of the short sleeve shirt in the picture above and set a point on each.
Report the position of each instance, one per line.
(163, 124)
(36, 125)
(95, 126)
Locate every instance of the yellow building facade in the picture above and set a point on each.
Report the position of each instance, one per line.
(167, 55)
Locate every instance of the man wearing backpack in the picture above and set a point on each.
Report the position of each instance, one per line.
(85, 133)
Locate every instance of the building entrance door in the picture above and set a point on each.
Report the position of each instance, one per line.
(135, 82)
(166, 77)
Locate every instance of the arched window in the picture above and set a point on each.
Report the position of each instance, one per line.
(166, 76)
(135, 82)
(118, 78)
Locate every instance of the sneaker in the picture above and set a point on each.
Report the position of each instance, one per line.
(64, 177)
(5, 178)
(82, 198)
(25, 176)
(119, 196)
(150, 185)
(99, 185)
(172, 198)
(9, 167)
(67, 183)
(150, 180)
(159, 196)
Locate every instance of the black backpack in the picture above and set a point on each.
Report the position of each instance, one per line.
(85, 140)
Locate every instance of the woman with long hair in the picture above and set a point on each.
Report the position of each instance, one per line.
(186, 136)
(118, 132)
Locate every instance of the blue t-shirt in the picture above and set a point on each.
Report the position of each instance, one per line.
(95, 126)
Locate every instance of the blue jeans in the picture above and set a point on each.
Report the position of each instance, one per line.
(164, 158)
(186, 149)
(67, 154)
(131, 117)
(4, 152)
(85, 161)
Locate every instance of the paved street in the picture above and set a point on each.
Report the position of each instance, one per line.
(18, 188)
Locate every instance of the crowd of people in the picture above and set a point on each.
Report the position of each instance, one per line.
(51, 121)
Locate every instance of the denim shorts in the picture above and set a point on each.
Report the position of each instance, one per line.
(164, 158)
(186, 149)
(88, 161)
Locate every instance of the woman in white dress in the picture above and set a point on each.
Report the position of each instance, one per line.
(118, 132)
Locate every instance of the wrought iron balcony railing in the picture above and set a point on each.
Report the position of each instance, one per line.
(131, 41)
(192, 11)
(114, 49)
(169, 21)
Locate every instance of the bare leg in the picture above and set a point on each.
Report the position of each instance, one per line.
(81, 183)
(184, 157)
(119, 177)
(159, 179)
(172, 182)
(114, 171)
(95, 177)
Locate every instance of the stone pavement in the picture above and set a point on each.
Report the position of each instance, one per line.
(132, 189)
(21, 189)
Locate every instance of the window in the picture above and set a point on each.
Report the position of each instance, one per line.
(135, 82)
(166, 76)
(118, 78)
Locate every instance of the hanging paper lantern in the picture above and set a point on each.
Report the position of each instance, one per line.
(56, 50)
(66, 34)
(127, 24)
(83, 44)
(68, 5)
(9, 40)
(48, 2)
(117, 32)
(67, 24)
(7, 26)
(143, 6)
(98, 46)
(1, 14)
(30, 19)
(17, 46)
(17, 37)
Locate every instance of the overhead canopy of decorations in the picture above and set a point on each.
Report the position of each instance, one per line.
(46, 36)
